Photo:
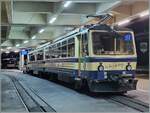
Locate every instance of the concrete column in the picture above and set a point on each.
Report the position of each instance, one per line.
(0, 57)
(0, 35)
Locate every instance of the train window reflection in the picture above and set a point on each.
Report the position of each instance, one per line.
(105, 43)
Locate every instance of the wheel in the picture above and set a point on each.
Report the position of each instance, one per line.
(78, 84)
(24, 72)
(40, 74)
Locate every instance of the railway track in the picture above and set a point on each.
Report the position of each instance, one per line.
(39, 105)
(132, 103)
(20, 97)
(32, 102)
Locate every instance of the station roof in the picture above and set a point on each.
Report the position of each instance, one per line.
(30, 23)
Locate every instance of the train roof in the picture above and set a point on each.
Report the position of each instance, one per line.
(92, 27)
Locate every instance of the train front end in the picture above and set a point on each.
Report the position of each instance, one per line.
(112, 62)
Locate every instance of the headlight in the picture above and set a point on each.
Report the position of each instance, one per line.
(128, 67)
(123, 72)
(100, 68)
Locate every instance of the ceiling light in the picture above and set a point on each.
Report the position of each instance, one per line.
(16, 51)
(145, 13)
(9, 47)
(26, 41)
(52, 20)
(66, 4)
(41, 31)
(123, 22)
(17, 45)
(7, 52)
(43, 41)
(33, 37)
(23, 50)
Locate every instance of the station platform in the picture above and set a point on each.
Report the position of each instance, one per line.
(51, 94)
(143, 82)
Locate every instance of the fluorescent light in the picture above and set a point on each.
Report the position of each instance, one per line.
(52, 20)
(66, 4)
(26, 41)
(23, 50)
(9, 47)
(145, 13)
(41, 31)
(17, 45)
(34, 37)
(43, 41)
(123, 22)
(16, 51)
(7, 52)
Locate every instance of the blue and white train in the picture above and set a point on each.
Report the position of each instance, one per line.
(98, 56)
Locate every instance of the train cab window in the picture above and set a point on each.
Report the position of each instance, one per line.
(64, 49)
(85, 45)
(40, 55)
(107, 43)
(125, 44)
(71, 47)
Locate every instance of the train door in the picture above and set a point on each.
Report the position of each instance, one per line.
(84, 50)
(78, 53)
(82, 53)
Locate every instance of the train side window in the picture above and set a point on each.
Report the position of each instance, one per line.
(50, 52)
(31, 57)
(64, 49)
(59, 50)
(40, 55)
(85, 45)
(71, 47)
(53, 51)
(47, 53)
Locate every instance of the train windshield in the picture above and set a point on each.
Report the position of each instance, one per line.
(106, 43)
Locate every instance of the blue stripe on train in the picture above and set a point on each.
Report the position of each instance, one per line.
(95, 75)
(97, 59)
(94, 59)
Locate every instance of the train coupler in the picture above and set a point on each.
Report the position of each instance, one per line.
(110, 86)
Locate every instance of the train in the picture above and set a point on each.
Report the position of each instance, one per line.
(100, 57)
(10, 60)
(10, 63)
